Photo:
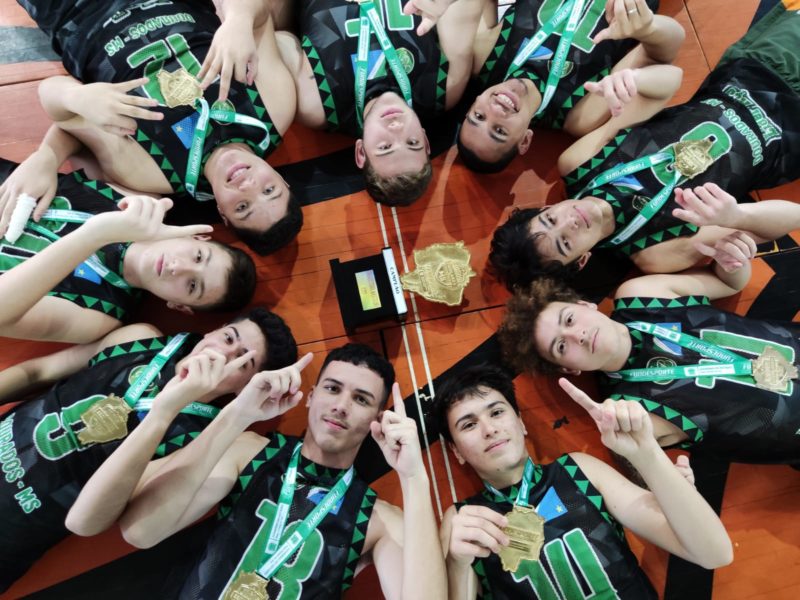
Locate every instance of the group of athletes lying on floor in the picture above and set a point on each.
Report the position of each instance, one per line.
(138, 428)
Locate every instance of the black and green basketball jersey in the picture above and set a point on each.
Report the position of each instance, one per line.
(44, 463)
(329, 31)
(121, 41)
(585, 554)
(322, 567)
(83, 286)
(751, 116)
(585, 61)
(727, 415)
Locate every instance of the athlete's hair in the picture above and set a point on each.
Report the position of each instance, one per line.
(474, 163)
(517, 333)
(278, 338)
(240, 283)
(472, 381)
(363, 356)
(397, 190)
(514, 257)
(276, 237)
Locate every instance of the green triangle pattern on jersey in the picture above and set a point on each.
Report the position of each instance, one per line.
(651, 239)
(359, 537)
(145, 345)
(166, 167)
(499, 49)
(680, 302)
(681, 421)
(324, 87)
(171, 445)
(441, 83)
(587, 489)
(557, 119)
(576, 177)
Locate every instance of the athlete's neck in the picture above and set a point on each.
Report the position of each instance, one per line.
(609, 223)
(624, 345)
(506, 477)
(332, 460)
(130, 262)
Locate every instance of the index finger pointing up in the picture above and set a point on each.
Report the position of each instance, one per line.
(304, 361)
(398, 406)
(581, 398)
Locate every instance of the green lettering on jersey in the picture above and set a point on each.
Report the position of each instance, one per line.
(158, 52)
(706, 130)
(294, 571)
(29, 243)
(53, 435)
(586, 26)
(747, 346)
(564, 555)
(392, 17)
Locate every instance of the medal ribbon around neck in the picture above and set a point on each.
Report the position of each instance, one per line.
(275, 553)
(572, 9)
(220, 115)
(729, 363)
(370, 21)
(93, 262)
(524, 492)
(656, 202)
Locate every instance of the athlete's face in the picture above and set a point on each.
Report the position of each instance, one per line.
(394, 140)
(498, 121)
(250, 194)
(487, 433)
(186, 272)
(342, 404)
(570, 229)
(234, 340)
(577, 337)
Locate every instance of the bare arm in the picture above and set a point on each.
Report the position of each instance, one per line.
(456, 30)
(462, 583)
(274, 81)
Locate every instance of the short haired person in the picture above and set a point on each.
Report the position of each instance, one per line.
(738, 131)
(384, 98)
(536, 69)
(706, 377)
(335, 523)
(580, 502)
(121, 56)
(53, 442)
(79, 271)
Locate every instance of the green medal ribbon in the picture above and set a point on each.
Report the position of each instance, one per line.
(93, 262)
(729, 363)
(369, 21)
(652, 207)
(524, 486)
(277, 555)
(201, 132)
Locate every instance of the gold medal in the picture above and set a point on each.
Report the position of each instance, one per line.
(179, 88)
(442, 273)
(772, 371)
(105, 420)
(525, 529)
(248, 585)
(692, 157)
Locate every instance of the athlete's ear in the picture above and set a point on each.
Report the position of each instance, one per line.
(567, 371)
(591, 305)
(361, 155)
(525, 143)
(584, 258)
(459, 458)
(427, 143)
(203, 238)
(180, 307)
(310, 395)
(524, 429)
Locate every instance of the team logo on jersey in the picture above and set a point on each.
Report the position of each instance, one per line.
(134, 374)
(551, 506)
(406, 59)
(317, 494)
(184, 129)
(659, 362)
(666, 345)
(84, 271)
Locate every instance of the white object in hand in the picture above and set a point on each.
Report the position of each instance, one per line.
(22, 212)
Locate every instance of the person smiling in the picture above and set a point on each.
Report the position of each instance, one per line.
(526, 533)
(294, 518)
(79, 271)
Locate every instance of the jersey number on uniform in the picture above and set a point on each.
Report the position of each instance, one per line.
(294, 571)
(575, 566)
(156, 54)
(586, 26)
(391, 12)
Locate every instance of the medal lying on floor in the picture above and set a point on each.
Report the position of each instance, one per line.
(442, 273)
(525, 529)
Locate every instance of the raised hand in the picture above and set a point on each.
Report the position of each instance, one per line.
(707, 204)
(618, 89)
(430, 11)
(140, 218)
(732, 252)
(36, 176)
(624, 425)
(476, 531)
(233, 53)
(269, 394)
(112, 108)
(397, 437)
(626, 19)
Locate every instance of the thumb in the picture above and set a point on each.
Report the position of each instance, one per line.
(410, 8)
(682, 461)
(377, 432)
(705, 249)
(426, 25)
(592, 87)
(165, 203)
(602, 35)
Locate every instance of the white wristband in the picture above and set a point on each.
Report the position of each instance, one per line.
(22, 212)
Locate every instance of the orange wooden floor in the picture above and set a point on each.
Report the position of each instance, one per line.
(760, 503)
